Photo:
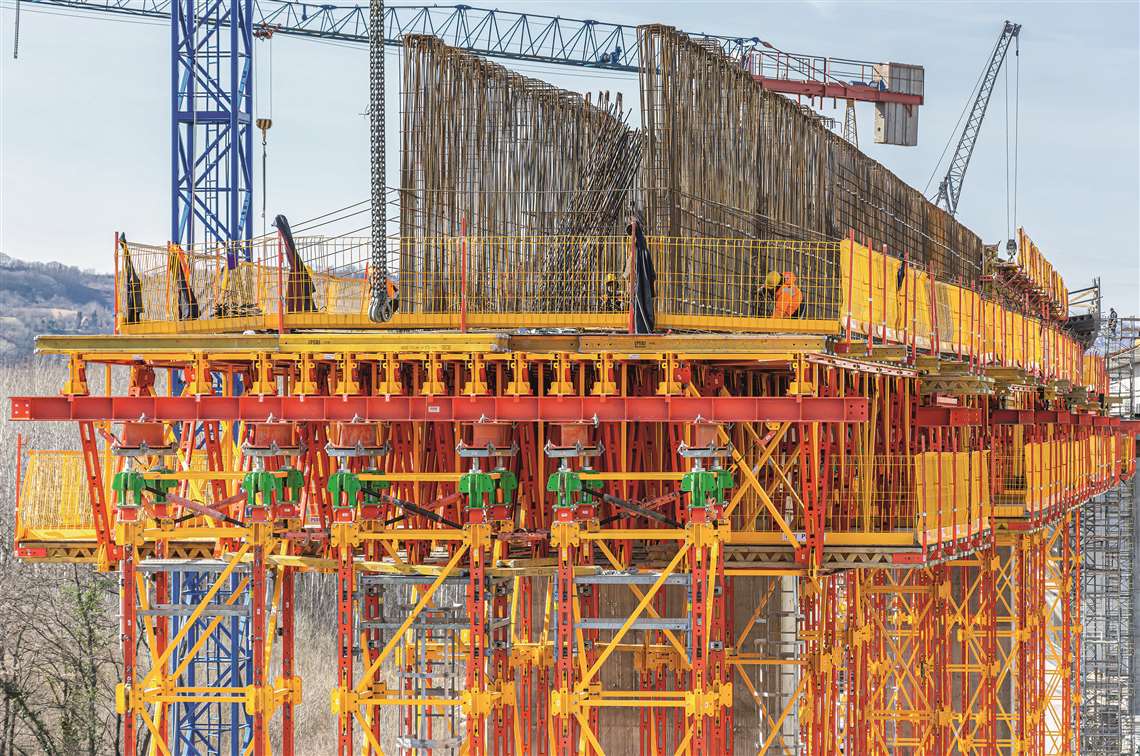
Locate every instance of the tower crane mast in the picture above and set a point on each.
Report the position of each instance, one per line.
(950, 189)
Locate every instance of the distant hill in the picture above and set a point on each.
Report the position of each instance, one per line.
(37, 298)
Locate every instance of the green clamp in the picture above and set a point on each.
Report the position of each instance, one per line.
(294, 481)
(344, 482)
(704, 485)
(260, 487)
(129, 483)
(373, 490)
(160, 488)
(508, 484)
(477, 486)
(568, 486)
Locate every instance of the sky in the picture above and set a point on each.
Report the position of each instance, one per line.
(85, 122)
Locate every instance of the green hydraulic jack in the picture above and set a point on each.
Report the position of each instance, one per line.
(264, 490)
(345, 486)
(568, 486)
(706, 488)
(267, 489)
(357, 440)
(130, 485)
(495, 490)
(141, 439)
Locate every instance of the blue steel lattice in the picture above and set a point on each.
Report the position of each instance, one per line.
(212, 120)
(225, 661)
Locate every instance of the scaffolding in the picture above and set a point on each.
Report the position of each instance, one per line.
(1108, 576)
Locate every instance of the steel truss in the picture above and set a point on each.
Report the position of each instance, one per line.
(211, 122)
(656, 579)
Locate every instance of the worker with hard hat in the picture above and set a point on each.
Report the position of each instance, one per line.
(786, 294)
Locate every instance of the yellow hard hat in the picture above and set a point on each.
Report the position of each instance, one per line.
(772, 280)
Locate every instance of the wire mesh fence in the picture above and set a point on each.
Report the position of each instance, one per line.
(567, 281)
(747, 278)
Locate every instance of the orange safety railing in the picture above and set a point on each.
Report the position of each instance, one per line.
(702, 284)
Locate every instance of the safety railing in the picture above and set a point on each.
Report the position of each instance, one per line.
(888, 299)
(588, 282)
(479, 282)
(719, 284)
(926, 500)
(53, 501)
(953, 491)
(870, 493)
(53, 494)
(1033, 478)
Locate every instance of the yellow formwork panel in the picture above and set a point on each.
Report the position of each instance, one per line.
(886, 299)
(953, 494)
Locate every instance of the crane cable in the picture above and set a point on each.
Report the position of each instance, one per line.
(1011, 197)
(264, 119)
(16, 34)
(1008, 228)
(1016, 119)
(954, 131)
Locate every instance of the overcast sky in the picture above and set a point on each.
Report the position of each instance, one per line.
(85, 123)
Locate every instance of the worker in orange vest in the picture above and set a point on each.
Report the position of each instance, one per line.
(788, 297)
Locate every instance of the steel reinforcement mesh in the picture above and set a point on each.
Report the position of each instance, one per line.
(489, 152)
(724, 157)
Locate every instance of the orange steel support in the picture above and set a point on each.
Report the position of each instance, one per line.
(893, 569)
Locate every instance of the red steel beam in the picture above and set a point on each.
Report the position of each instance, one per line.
(837, 90)
(1013, 417)
(927, 417)
(559, 409)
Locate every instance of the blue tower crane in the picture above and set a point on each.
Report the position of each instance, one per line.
(211, 121)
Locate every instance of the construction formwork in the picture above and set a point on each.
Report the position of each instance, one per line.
(843, 514)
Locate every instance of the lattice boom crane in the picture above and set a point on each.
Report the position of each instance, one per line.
(950, 190)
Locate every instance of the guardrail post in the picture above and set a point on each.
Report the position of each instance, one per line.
(280, 286)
